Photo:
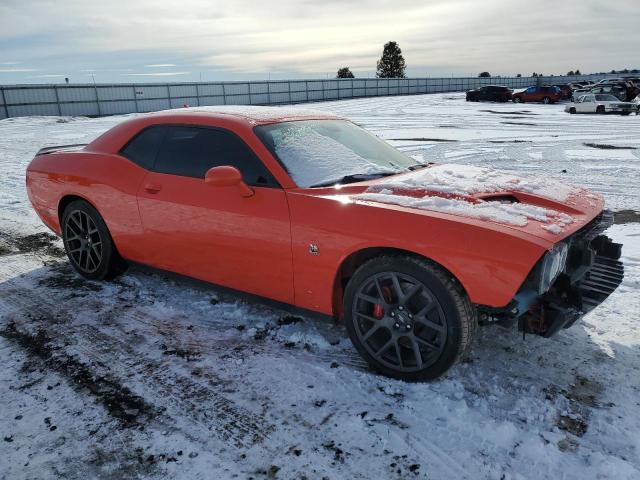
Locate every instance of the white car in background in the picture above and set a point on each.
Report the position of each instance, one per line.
(601, 103)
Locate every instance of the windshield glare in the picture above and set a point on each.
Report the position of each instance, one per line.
(318, 151)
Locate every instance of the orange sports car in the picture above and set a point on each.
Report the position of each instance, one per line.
(310, 210)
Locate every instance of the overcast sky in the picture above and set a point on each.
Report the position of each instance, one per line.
(187, 40)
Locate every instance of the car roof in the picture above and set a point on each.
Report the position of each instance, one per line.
(234, 117)
(252, 114)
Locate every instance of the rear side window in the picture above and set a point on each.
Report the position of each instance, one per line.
(142, 149)
(191, 151)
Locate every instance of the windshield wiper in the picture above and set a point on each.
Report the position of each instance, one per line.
(417, 166)
(356, 177)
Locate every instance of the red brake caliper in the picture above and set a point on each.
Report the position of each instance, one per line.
(378, 309)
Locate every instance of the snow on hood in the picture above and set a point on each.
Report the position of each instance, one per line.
(454, 182)
(468, 180)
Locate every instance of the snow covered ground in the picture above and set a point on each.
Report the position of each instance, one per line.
(152, 376)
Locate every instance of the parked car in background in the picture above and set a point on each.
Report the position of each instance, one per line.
(490, 93)
(624, 91)
(538, 94)
(636, 102)
(565, 90)
(601, 103)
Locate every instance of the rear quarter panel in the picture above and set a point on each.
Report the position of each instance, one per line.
(490, 263)
(108, 182)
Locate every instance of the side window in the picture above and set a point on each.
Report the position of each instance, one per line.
(530, 90)
(191, 151)
(142, 149)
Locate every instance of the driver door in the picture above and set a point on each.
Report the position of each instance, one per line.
(586, 104)
(214, 233)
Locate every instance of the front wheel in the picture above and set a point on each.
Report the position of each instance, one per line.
(517, 100)
(88, 243)
(572, 110)
(408, 318)
(600, 109)
(546, 100)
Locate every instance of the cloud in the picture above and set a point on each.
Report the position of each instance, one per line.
(156, 74)
(313, 37)
(16, 70)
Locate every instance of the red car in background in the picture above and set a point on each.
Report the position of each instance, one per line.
(538, 94)
(308, 209)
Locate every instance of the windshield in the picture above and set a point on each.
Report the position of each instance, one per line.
(318, 151)
(606, 98)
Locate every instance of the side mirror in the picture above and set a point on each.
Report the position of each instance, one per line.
(227, 176)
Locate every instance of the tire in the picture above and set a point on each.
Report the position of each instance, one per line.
(546, 100)
(600, 110)
(572, 110)
(430, 312)
(517, 100)
(88, 243)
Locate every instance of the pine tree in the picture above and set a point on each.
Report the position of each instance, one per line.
(484, 75)
(570, 73)
(391, 64)
(345, 72)
(578, 72)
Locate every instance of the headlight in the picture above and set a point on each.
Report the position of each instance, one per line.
(552, 265)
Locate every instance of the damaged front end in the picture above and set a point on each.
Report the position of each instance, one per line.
(570, 280)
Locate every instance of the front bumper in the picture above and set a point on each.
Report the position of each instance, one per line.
(593, 272)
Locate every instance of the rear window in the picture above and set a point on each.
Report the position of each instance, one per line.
(143, 148)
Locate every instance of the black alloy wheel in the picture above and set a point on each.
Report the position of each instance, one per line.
(88, 243)
(408, 318)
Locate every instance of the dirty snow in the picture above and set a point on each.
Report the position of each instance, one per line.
(153, 376)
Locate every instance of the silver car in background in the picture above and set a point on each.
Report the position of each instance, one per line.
(601, 103)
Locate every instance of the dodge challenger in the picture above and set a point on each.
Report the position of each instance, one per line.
(310, 210)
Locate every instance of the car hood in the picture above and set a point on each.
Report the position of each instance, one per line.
(538, 206)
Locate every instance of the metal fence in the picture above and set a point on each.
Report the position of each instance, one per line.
(112, 99)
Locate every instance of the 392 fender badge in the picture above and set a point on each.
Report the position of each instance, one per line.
(313, 249)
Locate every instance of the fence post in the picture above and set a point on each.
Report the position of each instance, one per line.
(135, 98)
(198, 93)
(289, 88)
(306, 91)
(55, 90)
(169, 95)
(224, 94)
(95, 89)
(4, 103)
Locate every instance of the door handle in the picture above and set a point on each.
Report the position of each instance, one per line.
(152, 187)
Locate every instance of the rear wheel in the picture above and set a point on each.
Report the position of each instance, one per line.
(88, 243)
(546, 100)
(517, 100)
(600, 109)
(572, 110)
(408, 318)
